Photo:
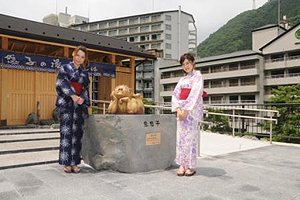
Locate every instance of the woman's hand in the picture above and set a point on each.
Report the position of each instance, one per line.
(181, 114)
(80, 101)
(74, 97)
(77, 99)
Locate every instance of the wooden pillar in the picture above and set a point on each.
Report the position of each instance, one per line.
(132, 73)
(113, 80)
(4, 85)
(66, 52)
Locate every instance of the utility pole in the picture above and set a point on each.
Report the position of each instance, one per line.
(278, 12)
(254, 6)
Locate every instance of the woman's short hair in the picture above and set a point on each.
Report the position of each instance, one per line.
(83, 48)
(187, 56)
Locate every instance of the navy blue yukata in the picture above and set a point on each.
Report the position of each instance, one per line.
(71, 114)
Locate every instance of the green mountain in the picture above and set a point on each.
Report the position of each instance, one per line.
(236, 35)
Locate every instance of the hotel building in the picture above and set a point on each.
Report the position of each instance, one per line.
(167, 34)
(245, 76)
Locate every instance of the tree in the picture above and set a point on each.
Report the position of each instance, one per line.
(286, 100)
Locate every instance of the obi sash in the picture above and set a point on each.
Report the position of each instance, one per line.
(184, 93)
(77, 86)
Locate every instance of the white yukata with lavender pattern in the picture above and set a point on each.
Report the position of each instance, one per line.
(187, 130)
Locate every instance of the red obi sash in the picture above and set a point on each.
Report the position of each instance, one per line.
(184, 93)
(77, 86)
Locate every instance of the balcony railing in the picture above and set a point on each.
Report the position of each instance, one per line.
(282, 59)
(282, 76)
(171, 76)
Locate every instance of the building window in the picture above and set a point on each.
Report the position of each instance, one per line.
(123, 31)
(134, 30)
(233, 66)
(103, 25)
(168, 46)
(216, 84)
(204, 70)
(93, 26)
(156, 46)
(277, 57)
(133, 21)
(84, 28)
(147, 95)
(168, 18)
(234, 99)
(248, 81)
(168, 27)
(133, 39)
(144, 19)
(144, 38)
(168, 37)
(155, 37)
(233, 82)
(155, 18)
(216, 69)
(123, 22)
(206, 84)
(112, 33)
(168, 55)
(248, 98)
(145, 28)
(144, 46)
(155, 27)
(102, 33)
(112, 24)
(216, 99)
(247, 64)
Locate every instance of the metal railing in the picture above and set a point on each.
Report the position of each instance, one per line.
(237, 113)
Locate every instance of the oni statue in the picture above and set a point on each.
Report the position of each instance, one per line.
(124, 101)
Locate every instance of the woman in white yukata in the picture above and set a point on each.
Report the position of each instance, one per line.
(188, 103)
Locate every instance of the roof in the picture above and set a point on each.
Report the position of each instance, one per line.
(279, 36)
(45, 32)
(267, 27)
(139, 15)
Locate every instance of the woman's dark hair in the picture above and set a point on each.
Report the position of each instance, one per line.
(187, 56)
(83, 48)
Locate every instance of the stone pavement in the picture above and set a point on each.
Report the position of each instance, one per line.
(240, 169)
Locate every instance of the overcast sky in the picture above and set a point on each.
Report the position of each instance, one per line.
(208, 14)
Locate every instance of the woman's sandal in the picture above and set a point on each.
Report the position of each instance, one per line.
(67, 169)
(180, 172)
(190, 172)
(75, 169)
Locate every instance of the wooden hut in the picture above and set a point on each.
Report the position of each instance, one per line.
(31, 52)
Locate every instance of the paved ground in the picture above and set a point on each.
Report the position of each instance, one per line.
(229, 168)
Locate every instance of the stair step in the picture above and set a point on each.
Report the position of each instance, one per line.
(29, 137)
(27, 131)
(28, 159)
(29, 146)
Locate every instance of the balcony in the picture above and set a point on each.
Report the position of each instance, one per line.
(278, 63)
(231, 74)
(232, 90)
(282, 79)
(166, 93)
(172, 79)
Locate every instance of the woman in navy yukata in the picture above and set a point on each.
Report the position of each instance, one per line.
(72, 87)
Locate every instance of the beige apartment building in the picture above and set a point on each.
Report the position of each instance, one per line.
(245, 76)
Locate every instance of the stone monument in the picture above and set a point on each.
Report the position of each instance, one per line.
(129, 143)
